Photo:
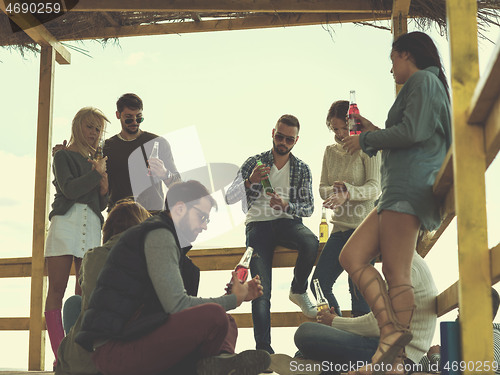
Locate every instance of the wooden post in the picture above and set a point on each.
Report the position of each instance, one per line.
(42, 187)
(469, 163)
(400, 10)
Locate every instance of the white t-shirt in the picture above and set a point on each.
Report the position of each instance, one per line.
(261, 210)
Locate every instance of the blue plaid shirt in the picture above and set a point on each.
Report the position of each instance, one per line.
(301, 203)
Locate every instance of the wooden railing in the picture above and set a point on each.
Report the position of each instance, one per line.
(206, 260)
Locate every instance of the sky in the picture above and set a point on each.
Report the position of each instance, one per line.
(216, 97)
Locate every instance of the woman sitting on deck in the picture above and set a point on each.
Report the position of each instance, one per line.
(72, 358)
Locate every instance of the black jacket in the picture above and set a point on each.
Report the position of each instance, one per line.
(124, 304)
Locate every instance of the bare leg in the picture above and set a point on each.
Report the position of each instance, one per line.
(78, 264)
(58, 268)
(398, 237)
(395, 234)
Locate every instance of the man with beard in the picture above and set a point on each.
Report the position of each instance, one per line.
(127, 153)
(140, 318)
(275, 218)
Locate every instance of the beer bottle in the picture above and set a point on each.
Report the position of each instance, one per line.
(266, 184)
(354, 123)
(243, 266)
(321, 302)
(154, 154)
(323, 227)
(99, 150)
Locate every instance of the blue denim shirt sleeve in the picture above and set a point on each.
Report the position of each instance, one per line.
(417, 124)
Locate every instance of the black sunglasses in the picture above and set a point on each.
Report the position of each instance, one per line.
(203, 217)
(129, 121)
(280, 137)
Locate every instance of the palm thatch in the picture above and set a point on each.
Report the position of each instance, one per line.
(96, 26)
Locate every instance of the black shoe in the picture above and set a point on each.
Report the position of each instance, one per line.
(249, 362)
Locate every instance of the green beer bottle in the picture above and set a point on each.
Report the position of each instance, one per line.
(266, 184)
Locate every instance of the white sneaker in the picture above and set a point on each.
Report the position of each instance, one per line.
(305, 304)
(283, 364)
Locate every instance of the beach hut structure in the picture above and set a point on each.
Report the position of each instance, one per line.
(476, 126)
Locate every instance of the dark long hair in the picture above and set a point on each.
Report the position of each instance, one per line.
(423, 52)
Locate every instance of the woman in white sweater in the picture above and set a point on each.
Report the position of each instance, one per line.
(349, 185)
(353, 341)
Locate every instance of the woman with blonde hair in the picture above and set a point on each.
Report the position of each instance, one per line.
(72, 358)
(81, 194)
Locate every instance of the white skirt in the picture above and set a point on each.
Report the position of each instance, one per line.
(74, 232)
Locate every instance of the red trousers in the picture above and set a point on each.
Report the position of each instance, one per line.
(188, 335)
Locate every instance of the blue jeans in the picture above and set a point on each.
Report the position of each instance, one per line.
(324, 343)
(329, 269)
(264, 236)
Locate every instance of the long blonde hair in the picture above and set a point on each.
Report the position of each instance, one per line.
(86, 115)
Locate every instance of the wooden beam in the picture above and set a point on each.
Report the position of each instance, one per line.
(487, 90)
(17, 324)
(243, 320)
(241, 23)
(41, 204)
(399, 23)
(485, 106)
(447, 300)
(492, 133)
(470, 202)
(39, 34)
(206, 260)
(225, 6)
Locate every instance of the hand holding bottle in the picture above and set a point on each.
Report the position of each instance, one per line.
(259, 173)
(157, 168)
(366, 125)
(99, 165)
(326, 316)
(246, 291)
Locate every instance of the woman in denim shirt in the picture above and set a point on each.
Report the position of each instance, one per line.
(414, 143)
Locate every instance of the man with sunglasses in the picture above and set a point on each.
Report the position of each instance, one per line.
(143, 316)
(128, 157)
(275, 218)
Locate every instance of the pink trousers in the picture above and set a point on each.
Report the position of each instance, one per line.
(197, 332)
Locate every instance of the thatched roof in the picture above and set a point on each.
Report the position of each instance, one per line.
(90, 19)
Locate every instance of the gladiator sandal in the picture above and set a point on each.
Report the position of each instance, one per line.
(392, 351)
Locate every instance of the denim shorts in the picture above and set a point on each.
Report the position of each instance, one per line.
(402, 206)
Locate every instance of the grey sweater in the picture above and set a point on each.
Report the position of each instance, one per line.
(162, 258)
(76, 182)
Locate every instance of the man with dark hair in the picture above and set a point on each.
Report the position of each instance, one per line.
(129, 158)
(274, 217)
(140, 319)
